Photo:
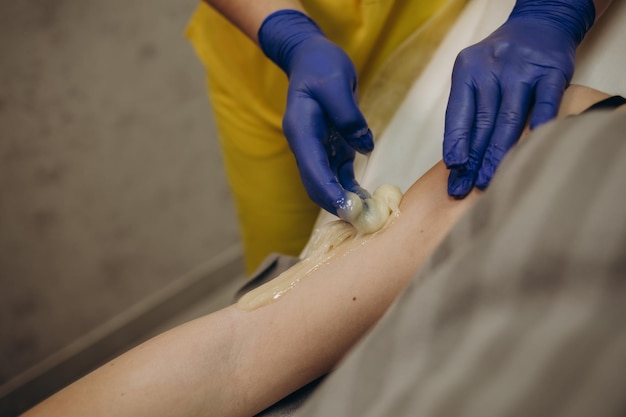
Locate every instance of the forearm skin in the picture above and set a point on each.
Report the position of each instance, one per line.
(248, 15)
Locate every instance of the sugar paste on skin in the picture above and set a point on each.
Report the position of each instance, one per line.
(366, 217)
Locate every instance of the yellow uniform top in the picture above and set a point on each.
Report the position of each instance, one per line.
(248, 93)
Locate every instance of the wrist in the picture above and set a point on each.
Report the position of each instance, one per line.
(574, 17)
(282, 32)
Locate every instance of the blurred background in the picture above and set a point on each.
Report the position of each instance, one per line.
(116, 221)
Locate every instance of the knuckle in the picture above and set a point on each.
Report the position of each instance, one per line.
(511, 118)
(484, 119)
(504, 47)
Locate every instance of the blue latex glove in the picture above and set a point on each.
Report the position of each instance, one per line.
(322, 123)
(526, 63)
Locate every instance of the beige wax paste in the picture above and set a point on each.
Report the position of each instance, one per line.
(336, 238)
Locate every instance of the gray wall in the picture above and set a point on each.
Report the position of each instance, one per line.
(111, 183)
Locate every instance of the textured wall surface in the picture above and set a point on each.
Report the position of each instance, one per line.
(111, 182)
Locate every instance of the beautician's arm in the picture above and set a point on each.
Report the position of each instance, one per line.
(248, 15)
(322, 82)
(236, 363)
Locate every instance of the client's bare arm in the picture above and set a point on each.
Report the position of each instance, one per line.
(236, 362)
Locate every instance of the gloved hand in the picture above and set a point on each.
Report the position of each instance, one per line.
(322, 123)
(526, 63)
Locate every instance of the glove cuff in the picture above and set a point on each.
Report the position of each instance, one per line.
(281, 33)
(573, 16)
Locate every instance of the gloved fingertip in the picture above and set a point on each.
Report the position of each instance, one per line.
(368, 142)
(330, 197)
(361, 192)
(362, 141)
(484, 177)
(460, 183)
(334, 207)
(536, 121)
(349, 207)
(486, 173)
